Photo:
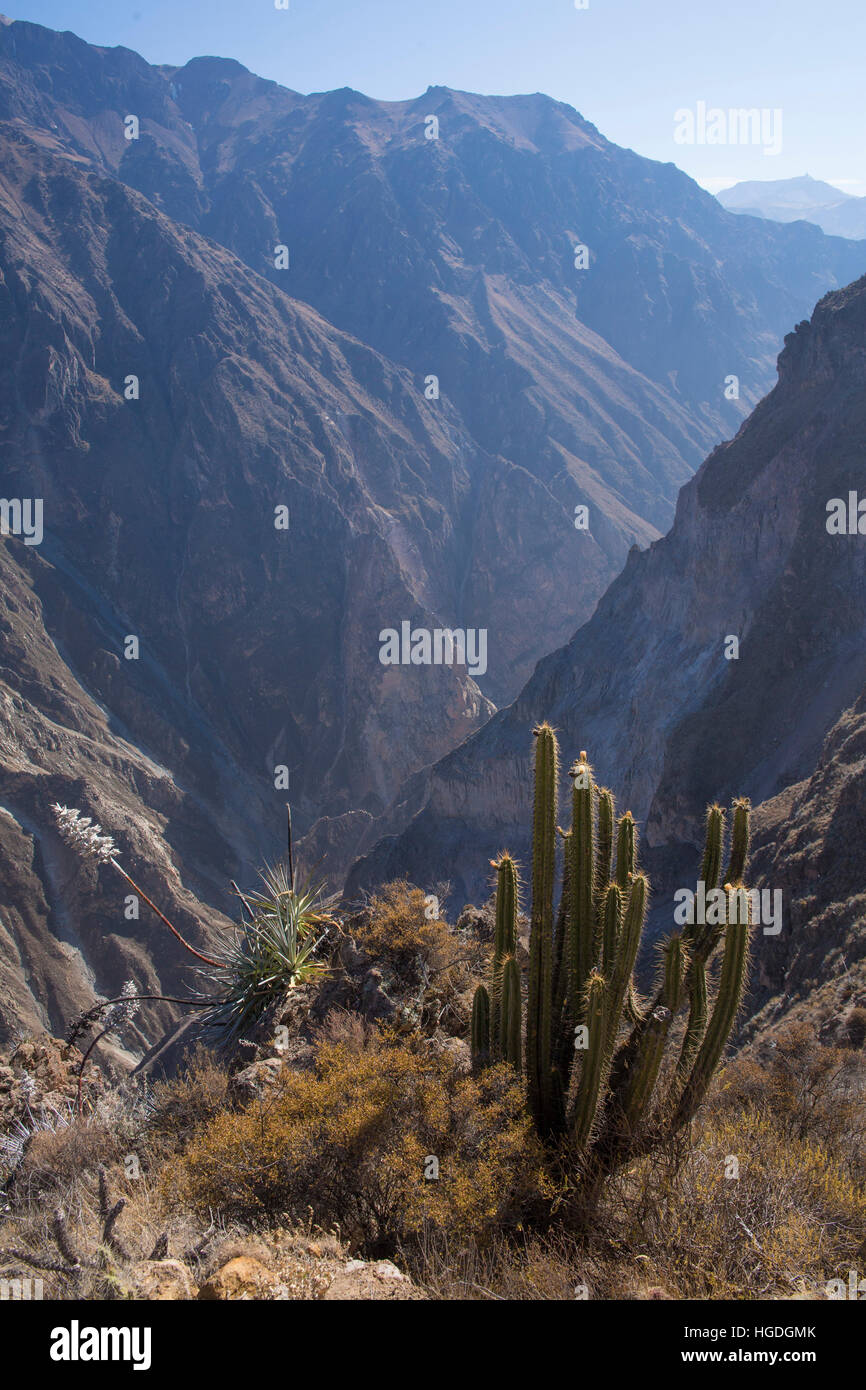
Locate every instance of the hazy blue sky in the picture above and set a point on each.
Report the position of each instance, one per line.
(627, 65)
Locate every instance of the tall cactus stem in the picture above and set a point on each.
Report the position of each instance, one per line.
(626, 850)
(511, 1013)
(697, 1022)
(611, 929)
(592, 1068)
(730, 992)
(675, 958)
(711, 863)
(480, 1035)
(629, 942)
(739, 841)
(539, 1024)
(635, 1100)
(604, 840)
(504, 943)
(582, 924)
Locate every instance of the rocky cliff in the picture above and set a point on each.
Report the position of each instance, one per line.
(807, 846)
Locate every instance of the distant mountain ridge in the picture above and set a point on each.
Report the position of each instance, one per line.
(790, 200)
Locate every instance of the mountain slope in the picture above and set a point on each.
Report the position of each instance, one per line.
(455, 257)
(159, 518)
(151, 261)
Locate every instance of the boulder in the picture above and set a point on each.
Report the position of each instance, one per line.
(242, 1279)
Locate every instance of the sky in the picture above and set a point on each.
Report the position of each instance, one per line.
(632, 67)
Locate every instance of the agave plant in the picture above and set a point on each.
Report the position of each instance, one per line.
(271, 950)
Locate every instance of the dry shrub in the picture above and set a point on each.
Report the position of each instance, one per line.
(353, 1031)
(855, 1027)
(52, 1158)
(525, 1267)
(763, 1199)
(348, 1143)
(753, 1211)
(396, 931)
(182, 1105)
(809, 1090)
(28, 1235)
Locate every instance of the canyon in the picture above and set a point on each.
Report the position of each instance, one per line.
(306, 388)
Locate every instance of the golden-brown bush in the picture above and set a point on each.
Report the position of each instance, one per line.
(396, 930)
(351, 1142)
(809, 1089)
(755, 1206)
(53, 1158)
(189, 1100)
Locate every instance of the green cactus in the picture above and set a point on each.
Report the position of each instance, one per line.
(604, 840)
(697, 1022)
(511, 1012)
(611, 929)
(504, 943)
(589, 1077)
(730, 993)
(539, 1017)
(479, 1041)
(629, 942)
(626, 849)
(583, 939)
(594, 1052)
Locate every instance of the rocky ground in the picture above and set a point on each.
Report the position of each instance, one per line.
(38, 1101)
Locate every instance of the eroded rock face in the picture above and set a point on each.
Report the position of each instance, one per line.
(807, 847)
(243, 1278)
(371, 1281)
(645, 686)
(309, 1272)
(158, 530)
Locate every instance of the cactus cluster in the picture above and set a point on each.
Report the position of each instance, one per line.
(594, 1048)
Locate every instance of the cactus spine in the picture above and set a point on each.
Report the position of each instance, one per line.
(581, 967)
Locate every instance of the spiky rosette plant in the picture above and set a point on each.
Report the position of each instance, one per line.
(595, 1050)
(272, 951)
